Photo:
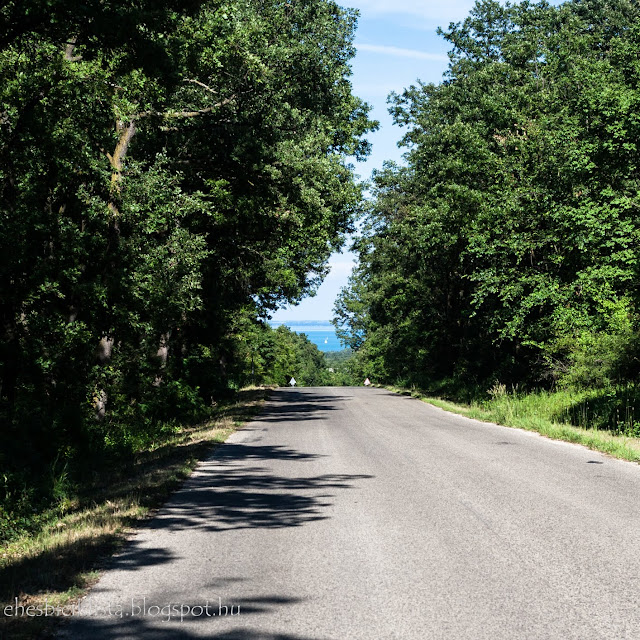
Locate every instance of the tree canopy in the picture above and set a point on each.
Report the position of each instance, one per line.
(169, 174)
(507, 247)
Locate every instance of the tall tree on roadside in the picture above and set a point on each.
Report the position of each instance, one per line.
(510, 241)
(163, 171)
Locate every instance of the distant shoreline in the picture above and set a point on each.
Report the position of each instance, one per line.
(301, 323)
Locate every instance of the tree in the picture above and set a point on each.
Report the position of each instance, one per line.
(165, 174)
(511, 235)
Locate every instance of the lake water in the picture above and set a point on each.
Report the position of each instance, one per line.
(322, 335)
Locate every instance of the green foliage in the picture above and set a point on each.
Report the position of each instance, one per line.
(167, 176)
(610, 409)
(507, 248)
(295, 357)
(600, 419)
(267, 356)
(340, 369)
(337, 359)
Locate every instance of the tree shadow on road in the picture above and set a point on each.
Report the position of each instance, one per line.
(223, 499)
(290, 405)
(158, 627)
(232, 453)
(236, 488)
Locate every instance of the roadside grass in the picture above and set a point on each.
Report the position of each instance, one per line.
(569, 415)
(56, 565)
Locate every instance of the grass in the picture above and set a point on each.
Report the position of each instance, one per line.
(56, 565)
(552, 414)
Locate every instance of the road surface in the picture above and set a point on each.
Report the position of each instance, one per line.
(348, 513)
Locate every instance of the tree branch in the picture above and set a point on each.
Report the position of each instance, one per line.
(126, 133)
(185, 113)
(69, 49)
(201, 84)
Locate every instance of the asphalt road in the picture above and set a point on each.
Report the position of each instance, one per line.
(347, 513)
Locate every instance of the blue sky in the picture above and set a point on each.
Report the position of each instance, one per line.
(397, 44)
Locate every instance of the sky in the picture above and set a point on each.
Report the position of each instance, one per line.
(396, 44)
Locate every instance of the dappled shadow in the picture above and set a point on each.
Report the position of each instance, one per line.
(114, 479)
(232, 452)
(57, 568)
(291, 405)
(226, 493)
(236, 488)
(61, 569)
(134, 557)
(238, 626)
(218, 500)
